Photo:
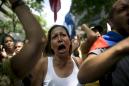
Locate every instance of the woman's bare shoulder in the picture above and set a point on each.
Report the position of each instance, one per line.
(42, 63)
(39, 71)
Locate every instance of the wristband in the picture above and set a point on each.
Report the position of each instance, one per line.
(16, 4)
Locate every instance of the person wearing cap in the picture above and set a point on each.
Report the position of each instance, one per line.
(108, 60)
(97, 29)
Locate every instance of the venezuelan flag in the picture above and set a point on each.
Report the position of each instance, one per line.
(107, 40)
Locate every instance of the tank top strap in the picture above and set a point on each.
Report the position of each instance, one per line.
(74, 64)
(50, 65)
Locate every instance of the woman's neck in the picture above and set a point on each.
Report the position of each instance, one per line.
(61, 61)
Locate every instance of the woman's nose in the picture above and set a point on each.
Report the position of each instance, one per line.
(59, 38)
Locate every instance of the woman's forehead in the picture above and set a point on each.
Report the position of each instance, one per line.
(57, 30)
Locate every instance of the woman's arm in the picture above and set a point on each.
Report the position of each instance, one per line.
(86, 44)
(25, 60)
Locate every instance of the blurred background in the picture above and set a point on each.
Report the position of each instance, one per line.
(71, 13)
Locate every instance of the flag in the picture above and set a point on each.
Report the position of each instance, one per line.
(55, 7)
(107, 40)
(70, 24)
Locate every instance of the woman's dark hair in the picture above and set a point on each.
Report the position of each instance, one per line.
(48, 51)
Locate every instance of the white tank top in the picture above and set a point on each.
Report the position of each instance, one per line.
(52, 79)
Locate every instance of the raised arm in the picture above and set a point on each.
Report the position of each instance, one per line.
(96, 66)
(24, 61)
(91, 38)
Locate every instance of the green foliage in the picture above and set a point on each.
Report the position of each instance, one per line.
(86, 11)
(35, 4)
(14, 25)
(93, 9)
(5, 25)
(41, 20)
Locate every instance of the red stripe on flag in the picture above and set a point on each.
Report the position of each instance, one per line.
(55, 7)
(99, 43)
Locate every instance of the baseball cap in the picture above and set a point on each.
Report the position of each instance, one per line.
(97, 27)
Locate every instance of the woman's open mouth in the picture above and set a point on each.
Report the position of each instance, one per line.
(61, 48)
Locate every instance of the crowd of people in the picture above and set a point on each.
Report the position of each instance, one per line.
(107, 60)
(53, 60)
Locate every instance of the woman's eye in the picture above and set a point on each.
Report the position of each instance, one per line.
(53, 37)
(64, 34)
